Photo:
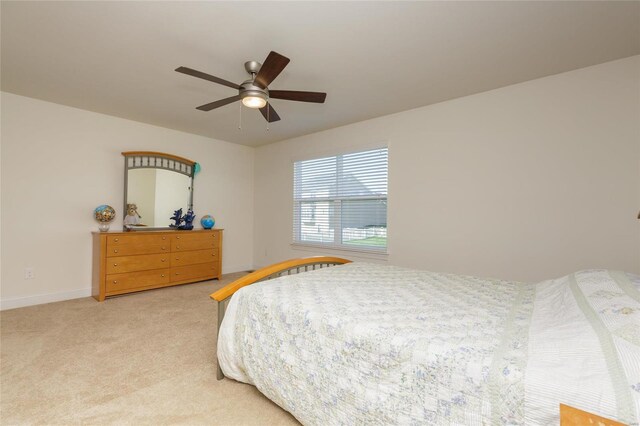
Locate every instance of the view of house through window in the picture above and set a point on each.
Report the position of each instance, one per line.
(341, 201)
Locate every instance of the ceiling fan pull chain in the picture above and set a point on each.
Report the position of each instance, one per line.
(268, 109)
(240, 118)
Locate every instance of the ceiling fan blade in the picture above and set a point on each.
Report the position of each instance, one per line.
(294, 95)
(271, 115)
(218, 104)
(205, 76)
(270, 69)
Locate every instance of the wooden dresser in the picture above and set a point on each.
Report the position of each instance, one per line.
(124, 262)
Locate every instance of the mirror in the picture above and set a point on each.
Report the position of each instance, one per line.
(155, 186)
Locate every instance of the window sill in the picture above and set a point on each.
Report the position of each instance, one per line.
(371, 254)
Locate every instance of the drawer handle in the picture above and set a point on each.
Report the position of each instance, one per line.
(162, 275)
(177, 273)
(115, 264)
(115, 251)
(115, 281)
(164, 248)
(164, 238)
(177, 238)
(178, 247)
(177, 258)
(116, 240)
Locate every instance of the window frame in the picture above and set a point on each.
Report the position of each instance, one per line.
(336, 203)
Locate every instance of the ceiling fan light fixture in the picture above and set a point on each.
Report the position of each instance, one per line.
(254, 100)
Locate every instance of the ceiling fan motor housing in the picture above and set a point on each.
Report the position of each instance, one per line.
(247, 89)
(253, 96)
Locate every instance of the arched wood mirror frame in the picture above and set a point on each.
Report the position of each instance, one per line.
(135, 160)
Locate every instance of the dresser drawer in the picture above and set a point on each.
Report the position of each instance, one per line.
(184, 258)
(132, 280)
(189, 242)
(141, 262)
(125, 245)
(202, 270)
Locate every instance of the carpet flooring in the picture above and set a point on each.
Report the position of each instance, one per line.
(144, 358)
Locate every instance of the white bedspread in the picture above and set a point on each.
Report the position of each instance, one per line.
(371, 344)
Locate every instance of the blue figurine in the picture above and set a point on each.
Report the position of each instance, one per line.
(188, 221)
(177, 218)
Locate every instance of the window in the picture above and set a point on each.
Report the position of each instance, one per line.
(341, 201)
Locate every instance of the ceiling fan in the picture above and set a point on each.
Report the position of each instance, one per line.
(254, 92)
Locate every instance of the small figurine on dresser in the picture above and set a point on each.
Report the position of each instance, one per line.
(132, 217)
(177, 218)
(188, 221)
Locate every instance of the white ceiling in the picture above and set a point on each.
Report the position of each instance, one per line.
(372, 58)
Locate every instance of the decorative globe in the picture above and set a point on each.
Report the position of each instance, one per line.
(207, 221)
(104, 214)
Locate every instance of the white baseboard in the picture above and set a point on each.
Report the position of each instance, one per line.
(20, 302)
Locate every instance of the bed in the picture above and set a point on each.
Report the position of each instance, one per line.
(359, 343)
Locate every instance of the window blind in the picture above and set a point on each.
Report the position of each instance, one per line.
(341, 201)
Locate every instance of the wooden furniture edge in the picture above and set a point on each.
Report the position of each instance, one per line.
(98, 283)
(220, 254)
(262, 273)
(159, 154)
(166, 230)
(571, 416)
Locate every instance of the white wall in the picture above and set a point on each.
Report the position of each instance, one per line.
(526, 182)
(59, 163)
